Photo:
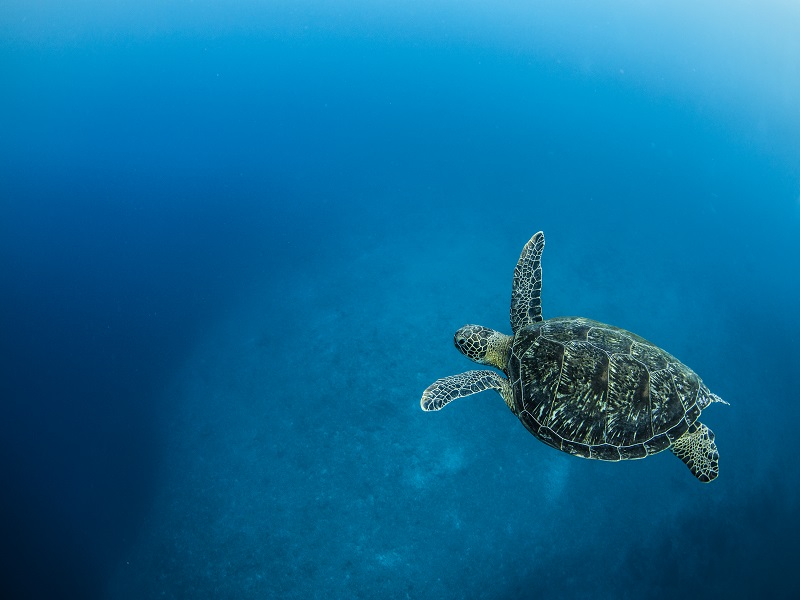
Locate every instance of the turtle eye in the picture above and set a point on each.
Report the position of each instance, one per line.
(461, 342)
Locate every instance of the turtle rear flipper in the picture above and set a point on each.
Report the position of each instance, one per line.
(445, 390)
(696, 448)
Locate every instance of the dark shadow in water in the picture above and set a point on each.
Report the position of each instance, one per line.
(78, 456)
(107, 285)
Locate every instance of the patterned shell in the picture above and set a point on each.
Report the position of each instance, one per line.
(599, 391)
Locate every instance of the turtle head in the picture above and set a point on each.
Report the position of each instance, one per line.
(483, 345)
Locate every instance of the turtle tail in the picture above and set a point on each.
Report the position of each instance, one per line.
(715, 398)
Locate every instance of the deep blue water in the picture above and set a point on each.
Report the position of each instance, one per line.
(235, 244)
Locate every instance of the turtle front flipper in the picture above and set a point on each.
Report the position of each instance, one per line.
(445, 390)
(696, 448)
(526, 291)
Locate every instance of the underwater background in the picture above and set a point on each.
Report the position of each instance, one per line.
(236, 240)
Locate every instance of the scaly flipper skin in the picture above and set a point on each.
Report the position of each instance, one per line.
(526, 292)
(445, 390)
(696, 448)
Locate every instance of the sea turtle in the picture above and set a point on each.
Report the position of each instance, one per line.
(583, 387)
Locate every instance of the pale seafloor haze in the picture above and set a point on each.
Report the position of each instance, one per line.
(236, 240)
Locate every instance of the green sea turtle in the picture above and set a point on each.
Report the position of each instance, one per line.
(583, 387)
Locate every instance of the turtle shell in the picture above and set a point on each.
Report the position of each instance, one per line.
(598, 391)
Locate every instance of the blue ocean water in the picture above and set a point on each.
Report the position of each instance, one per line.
(235, 243)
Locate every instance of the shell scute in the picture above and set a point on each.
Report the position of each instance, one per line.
(657, 443)
(566, 330)
(605, 452)
(577, 413)
(635, 451)
(655, 358)
(611, 340)
(628, 411)
(667, 410)
(535, 376)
